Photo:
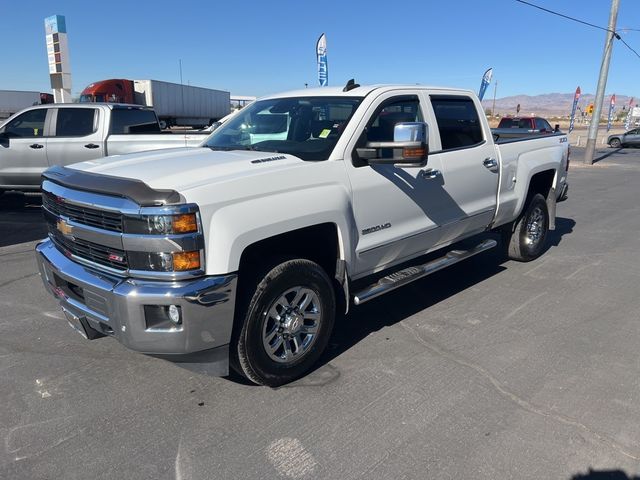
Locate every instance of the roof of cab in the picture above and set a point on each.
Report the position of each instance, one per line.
(359, 91)
(91, 104)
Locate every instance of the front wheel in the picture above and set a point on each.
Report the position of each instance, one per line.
(615, 143)
(525, 240)
(287, 323)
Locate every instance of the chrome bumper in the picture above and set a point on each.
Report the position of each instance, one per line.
(115, 306)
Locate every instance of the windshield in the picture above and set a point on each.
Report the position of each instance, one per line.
(91, 98)
(307, 127)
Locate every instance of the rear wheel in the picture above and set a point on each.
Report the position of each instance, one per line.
(615, 143)
(287, 323)
(526, 238)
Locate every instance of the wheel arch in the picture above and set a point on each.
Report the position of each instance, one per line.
(321, 243)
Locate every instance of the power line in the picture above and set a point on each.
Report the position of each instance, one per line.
(629, 47)
(573, 19)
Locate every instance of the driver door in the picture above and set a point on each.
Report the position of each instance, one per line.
(23, 152)
(398, 210)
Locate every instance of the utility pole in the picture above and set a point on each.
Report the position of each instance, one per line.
(602, 84)
(495, 89)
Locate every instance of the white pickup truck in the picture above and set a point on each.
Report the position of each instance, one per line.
(38, 137)
(246, 250)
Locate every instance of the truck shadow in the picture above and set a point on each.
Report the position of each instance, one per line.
(604, 475)
(21, 219)
(427, 292)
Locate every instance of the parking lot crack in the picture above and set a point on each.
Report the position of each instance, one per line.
(9, 282)
(517, 400)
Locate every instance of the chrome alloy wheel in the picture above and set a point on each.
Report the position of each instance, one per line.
(536, 225)
(291, 324)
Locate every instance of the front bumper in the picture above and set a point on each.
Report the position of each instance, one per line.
(115, 306)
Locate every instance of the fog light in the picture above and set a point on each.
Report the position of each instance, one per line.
(174, 314)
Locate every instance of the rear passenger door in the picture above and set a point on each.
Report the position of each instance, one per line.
(76, 136)
(470, 169)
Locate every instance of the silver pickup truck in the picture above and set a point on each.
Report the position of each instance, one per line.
(39, 137)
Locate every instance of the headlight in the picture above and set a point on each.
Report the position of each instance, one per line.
(162, 224)
(164, 239)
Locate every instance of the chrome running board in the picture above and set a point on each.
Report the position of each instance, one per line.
(410, 274)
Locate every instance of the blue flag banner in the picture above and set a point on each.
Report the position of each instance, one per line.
(323, 67)
(486, 80)
(612, 106)
(576, 99)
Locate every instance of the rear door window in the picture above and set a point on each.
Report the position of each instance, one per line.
(457, 120)
(126, 121)
(76, 122)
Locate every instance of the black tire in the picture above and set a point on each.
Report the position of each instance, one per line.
(615, 143)
(525, 240)
(252, 359)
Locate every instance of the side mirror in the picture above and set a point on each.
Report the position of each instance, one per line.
(556, 128)
(410, 146)
(4, 139)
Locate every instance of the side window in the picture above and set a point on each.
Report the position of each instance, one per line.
(382, 123)
(457, 120)
(28, 125)
(75, 122)
(134, 120)
(381, 128)
(542, 125)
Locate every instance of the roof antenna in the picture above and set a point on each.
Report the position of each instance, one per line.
(351, 84)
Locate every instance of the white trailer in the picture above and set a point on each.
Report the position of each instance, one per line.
(183, 105)
(12, 101)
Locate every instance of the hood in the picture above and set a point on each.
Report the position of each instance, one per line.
(184, 168)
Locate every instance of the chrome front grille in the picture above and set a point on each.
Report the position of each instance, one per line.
(85, 215)
(111, 233)
(109, 257)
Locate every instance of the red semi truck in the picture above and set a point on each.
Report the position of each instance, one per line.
(175, 104)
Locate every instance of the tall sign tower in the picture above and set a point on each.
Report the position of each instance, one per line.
(58, 53)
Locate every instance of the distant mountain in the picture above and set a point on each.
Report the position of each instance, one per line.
(551, 104)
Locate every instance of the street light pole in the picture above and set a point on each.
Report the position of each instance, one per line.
(602, 84)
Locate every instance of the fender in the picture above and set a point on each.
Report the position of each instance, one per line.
(234, 227)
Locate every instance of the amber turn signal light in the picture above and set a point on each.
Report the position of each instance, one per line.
(413, 152)
(186, 261)
(185, 223)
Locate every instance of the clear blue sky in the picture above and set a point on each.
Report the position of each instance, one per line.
(260, 47)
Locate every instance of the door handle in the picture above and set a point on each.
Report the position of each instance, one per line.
(36, 146)
(429, 173)
(91, 145)
(490, 163)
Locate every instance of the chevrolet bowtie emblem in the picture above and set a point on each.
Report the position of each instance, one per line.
(64, 228)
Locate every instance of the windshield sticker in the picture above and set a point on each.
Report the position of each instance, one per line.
(324, 133)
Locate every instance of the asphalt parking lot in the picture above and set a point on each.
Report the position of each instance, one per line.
(490, 369)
